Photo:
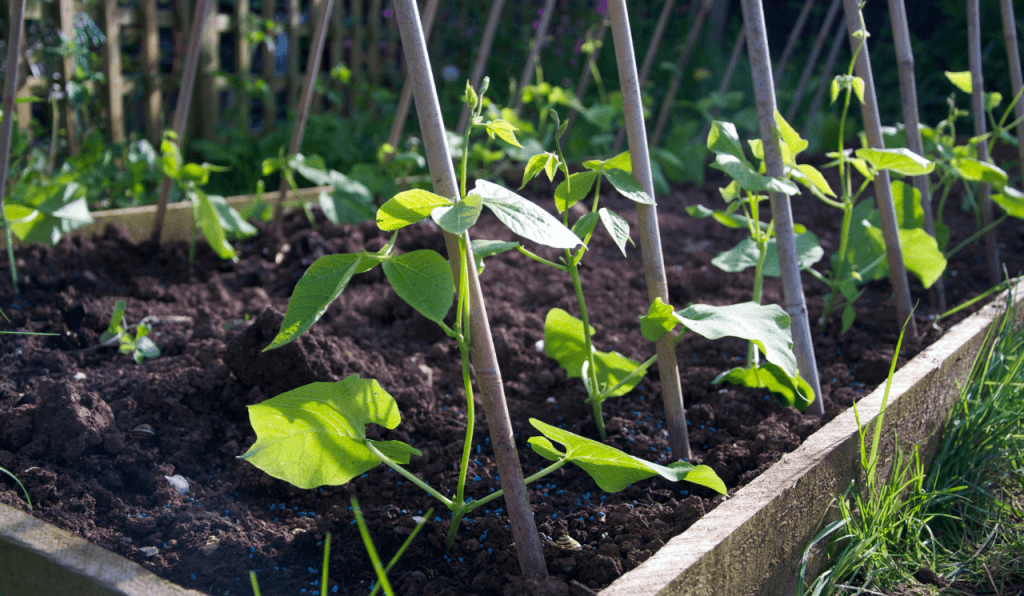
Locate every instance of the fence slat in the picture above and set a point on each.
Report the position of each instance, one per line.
(209, 116)
(67, 29)
(112, 70)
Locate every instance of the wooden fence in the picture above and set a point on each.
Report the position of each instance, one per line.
(145, 43)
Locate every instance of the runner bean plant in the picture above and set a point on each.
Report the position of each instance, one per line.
(316, 434)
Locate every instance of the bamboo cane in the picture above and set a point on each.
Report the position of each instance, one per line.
(1016, 78)
(980, 127)
(647, 216)
(812, 60)
(912, 122)
(588, 72)
(405, 100)
(791, 41)
(483, 53)
(316, 52)
(730, 69)
(826, 75)
(883, 193)
(188, 80)
(485, 362)
(16, 21)
(782, 213)
(677, 76)
(531, 59)
(659, 33)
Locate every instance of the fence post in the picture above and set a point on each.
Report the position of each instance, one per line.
(208, 118)
(677, 76)
(66, 9)
(112, 68)
(15, 33)
(794, 37)
(243, 63)
(1016, 78)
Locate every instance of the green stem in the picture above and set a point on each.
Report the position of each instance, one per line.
(410, 476)
(10, 245)
(588, 346)
(762, 247)
(541, 259)
(973, 237)
(500, 493)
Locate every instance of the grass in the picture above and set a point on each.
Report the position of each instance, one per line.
(956, 529)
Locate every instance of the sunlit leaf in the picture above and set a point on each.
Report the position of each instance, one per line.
(573, 190)
(408, 207)
(422, 278)
(962, 80)
(794, 392)
(617, 227)
(525, 218)
(902, 161)
(627, 186)
(459, 218)
(563, 341)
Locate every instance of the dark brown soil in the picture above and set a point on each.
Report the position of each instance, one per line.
(67, 412)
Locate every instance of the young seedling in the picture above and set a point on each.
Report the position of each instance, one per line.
(211, 214)
(141, 347)
(315, 435)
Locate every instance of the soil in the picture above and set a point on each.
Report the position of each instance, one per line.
(67, 410)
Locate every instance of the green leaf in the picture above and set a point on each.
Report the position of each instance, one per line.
(49, 212)
(617, 227)
(408, 207)
(992, 100)
(962, 80)
(345, 207)
(902, 161)
(627, 187)
(1011, 200)
(909, 212)
(324, 281)
(145, 349)
(659, 320)
(575, 189)
(563, 341)
(504, 131)
(729, 220)
(921, 254)
(542, 162)
(422, 278)
(858, 88)
(974, 170)
(767, 326)
(723, 138)
(745, 255)
(611, 469)
(486, 248)
(170, 159)
(585, 226)
(524, 218)
(621, 161)
(794, 142)
(459, 218)
(793, 392)
(316, 435)
(812, 179)
(750, 180)
(210, 225)
(849, 314)
(230, 220)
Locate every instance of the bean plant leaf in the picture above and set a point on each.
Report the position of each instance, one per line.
(408, 207)
(210, 225)
(621, 161)
(1011, 200)
(523, 217)
(343, 206)
(504, 130)
(660, 319)
(723, 138)
(745, 255)
(902, 161)
(585, 225)
(230, 219)
(318, 287)
(460, 217)
(575, 189)
(617, 227)
(812, 179)
(43, 214)
(921, 253)
(423, 278)
(962, 80)
(975, 170)
(792, 139)
(794, 392)
(628, 187)
(748, 179)
(542, 162)
(612, 469)
(486, 248)
(563, 341)
(729, 220)
(316, 435)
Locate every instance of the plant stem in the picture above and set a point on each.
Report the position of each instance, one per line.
(592, 386)
(467, 381)
(541, 259)
(500, 493)
(973, 237)
(409, 476)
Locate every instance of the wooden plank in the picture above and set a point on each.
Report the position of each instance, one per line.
(151, 69)
(66, 9)
(112, 70)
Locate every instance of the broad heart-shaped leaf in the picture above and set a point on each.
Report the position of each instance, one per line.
(659, 320)
(902, 161)
(563, 341)
(209, 223)
(611, 469)
(767, 326)
(962, 80)
(575, 189)
(486, 248)
(316, 435)
(745, 255)
(324, 281)
(617, 227)
(793, 392)
(792, 139)
(907, 200)
(723, 138)
(748, 179)
(980, 171)
(1011, 200)
(628, 187)
(459, 218)
(921, 253)
(524, 218)
(423, 279)
(408, 207)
